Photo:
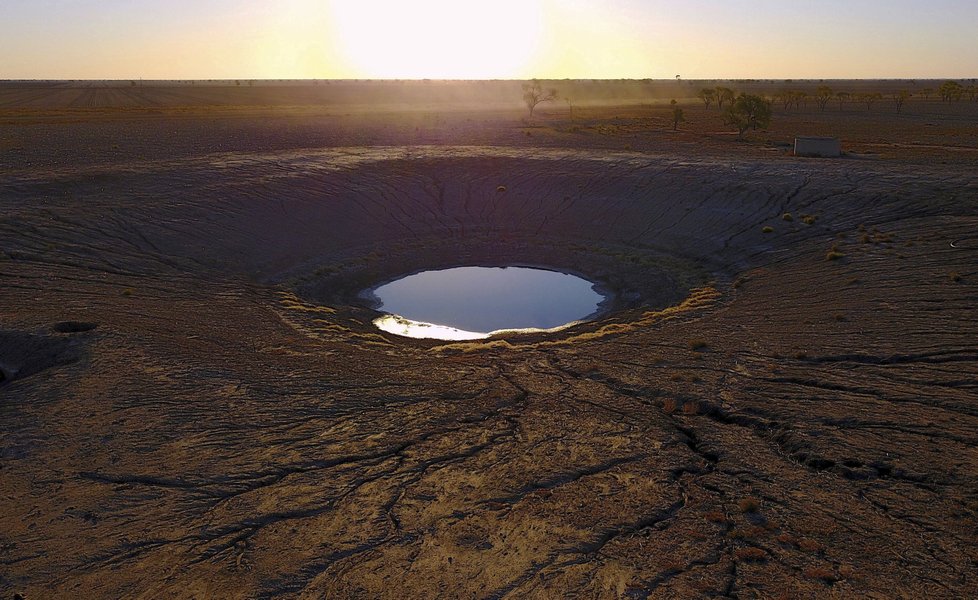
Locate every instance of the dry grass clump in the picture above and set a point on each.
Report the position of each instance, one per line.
(750, 554)
(716, 516)
(955, 277)
(767, 229)
(809, 545)
(821, 573)
(468, 347)
(787, 217)
(808, 219)
(847, 572)
(749, 505)
(834, 253)
(501, 189)
(698, 344)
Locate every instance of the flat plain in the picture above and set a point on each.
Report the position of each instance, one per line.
(193, 403)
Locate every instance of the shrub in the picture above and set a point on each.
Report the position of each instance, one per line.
(955, 277)
(749, 505)
(501, 189)
(767, 229)
(787, 217)
(834, 255)
(698, 344)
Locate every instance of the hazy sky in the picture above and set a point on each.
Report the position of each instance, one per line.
(204, 39)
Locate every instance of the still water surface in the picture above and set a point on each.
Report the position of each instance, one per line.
(471, 302)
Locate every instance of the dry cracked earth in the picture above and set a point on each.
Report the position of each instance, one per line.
(782, 403)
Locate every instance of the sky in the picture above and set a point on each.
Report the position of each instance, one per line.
(487, 39)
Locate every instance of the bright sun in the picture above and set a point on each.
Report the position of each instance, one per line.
(438, 39)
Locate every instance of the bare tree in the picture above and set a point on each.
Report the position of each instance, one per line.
(533, 94)
(822, 96)
(899, 98)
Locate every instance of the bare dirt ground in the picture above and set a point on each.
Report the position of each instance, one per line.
(193, 405)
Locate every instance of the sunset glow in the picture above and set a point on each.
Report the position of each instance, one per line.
(437, 38)
(286, 39)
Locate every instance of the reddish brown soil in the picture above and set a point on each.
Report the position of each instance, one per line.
(193, 404)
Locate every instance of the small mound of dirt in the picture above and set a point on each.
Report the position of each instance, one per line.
(73, 326)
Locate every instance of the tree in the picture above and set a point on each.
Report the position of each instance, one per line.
(789, 98)
(842, 97)
(822, 96)
(707, 96)
(927, 93)
(748, 112)
(899, 98)
(724, 94)
(951, 90)
(869, 99)
(677, 115)
(533, 94)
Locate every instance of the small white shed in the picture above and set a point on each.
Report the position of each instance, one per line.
(827, 147)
